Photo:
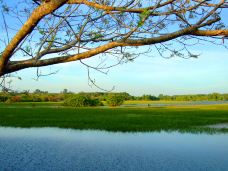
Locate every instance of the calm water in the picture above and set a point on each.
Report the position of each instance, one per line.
(188, 103)
(65, 149)
(151, 104)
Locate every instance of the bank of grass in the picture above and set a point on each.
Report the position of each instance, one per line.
(185, 118)
(30, 104)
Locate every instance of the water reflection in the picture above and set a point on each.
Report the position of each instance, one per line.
(67, 149)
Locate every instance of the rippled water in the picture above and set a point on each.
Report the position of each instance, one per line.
(66, 149)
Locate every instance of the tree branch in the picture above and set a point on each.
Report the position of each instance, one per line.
(40, 12)
(210, 33)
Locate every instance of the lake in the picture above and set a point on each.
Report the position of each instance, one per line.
(175, 103)
(132, 104)
(31, 149)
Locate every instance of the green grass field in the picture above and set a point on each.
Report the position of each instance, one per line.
(185, 118)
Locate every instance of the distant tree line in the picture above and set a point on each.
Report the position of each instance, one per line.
(196, 97)
(30, 97)
(44, 96)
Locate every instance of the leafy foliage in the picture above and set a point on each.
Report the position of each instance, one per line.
(81, 101)
(59, 31)
(114, 100)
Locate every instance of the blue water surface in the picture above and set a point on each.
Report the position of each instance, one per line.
(47, 149)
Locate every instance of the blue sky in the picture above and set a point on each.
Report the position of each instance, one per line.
(146, 75)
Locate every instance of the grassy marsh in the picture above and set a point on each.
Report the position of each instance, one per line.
(184, 118)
